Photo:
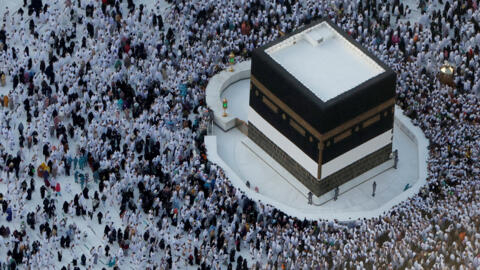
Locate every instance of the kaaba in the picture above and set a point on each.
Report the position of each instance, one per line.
(321, 105)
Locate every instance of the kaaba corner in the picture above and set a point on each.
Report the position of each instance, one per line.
(322, 106)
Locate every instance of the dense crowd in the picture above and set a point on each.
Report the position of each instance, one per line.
(102, 124)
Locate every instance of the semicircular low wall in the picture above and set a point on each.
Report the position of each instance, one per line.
(217, 85)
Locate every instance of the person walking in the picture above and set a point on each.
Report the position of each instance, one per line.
(374, 186)
(57, 189)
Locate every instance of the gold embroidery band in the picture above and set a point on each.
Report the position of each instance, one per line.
(359, 118)
(270, 105)
(342, 136)
(321, 137)
(320, 157)
(297, 127)
(371, 121)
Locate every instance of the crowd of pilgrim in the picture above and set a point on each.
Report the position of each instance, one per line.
(103, 115)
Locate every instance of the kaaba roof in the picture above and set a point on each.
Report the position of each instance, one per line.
(324, 61)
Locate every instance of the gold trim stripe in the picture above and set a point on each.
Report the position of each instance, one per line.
(321, 137)
(270, 105)
(342, 136)
(320, 157)
(286, 109)
(359, 119)
(297, 127)
(371, 121)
